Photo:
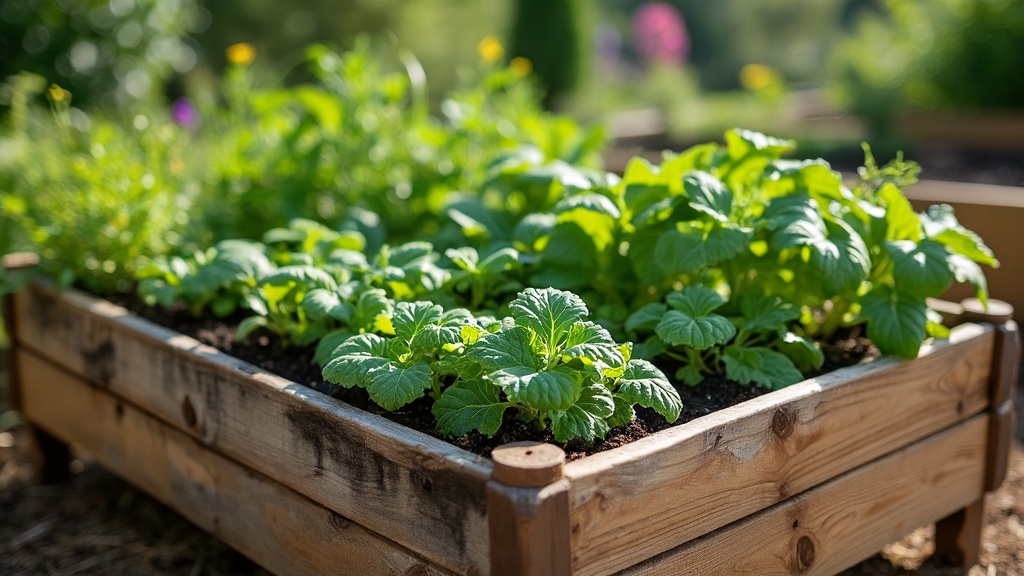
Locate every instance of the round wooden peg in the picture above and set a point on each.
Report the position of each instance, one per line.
(527, 464)
(997, 312)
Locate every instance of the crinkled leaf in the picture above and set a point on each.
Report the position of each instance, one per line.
(394, 386)
(920, 269)
(695, 300)
(646, 318)
(584, 419)
(896, 321)
(678, 328)
(724, 242)
(681, 252)
(469, 405)
(371, 305)
(548, 312)
(593, 344)
(436, 338)
(512, 347)
(355, 361)
(623, 414)
(306, 276)
(708, 195)
(642, 383)
(409, 318)
(760, 366)
(555, 389)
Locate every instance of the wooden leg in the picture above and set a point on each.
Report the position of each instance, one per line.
(958, 536)
(49, 457)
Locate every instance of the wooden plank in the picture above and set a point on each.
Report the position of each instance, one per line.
(285, 532)
(412, 488)
(1007, 369)
(1000, 437)
(958, 536)
(837, 524)
(684, 482)
(528, 511)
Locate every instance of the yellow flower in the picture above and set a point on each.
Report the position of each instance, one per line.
(58, 94)
(490, 49)
(757, 76)
(241, 54)
(520, 66)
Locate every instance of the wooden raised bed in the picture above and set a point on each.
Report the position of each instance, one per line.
(807, 480)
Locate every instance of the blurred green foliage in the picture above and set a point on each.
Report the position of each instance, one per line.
(103, 51)
(930, 55)
(552, 34)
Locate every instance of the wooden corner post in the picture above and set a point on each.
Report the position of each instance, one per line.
(528, 511)
(958, 536)
(49, 457)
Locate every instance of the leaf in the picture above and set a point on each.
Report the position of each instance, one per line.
(642, 383)
(690, 375)
(548, 312)
(512, 347)
(920, 269)
(744, 142)
(248, 326)
(623, 414)
(499, 261)
(555, 389)
(469, 405)
(708, 195)
(725, 242)
(896, 322)
(320, 304)
(965, 270)
(766, 313)
(695, 300)
(529, 234)
(585, 419)
(370, 305)
(593, 344)
(308, 277)
(646, 318)
(329, 343)
(394, 386)
(409, 318)
(355, 361)
(941, 225)
(590, 202)
(433, 338)
(803, 352)
(678, 328)
(902, 223)
(466, 258)
(681, 252)
(761, 366)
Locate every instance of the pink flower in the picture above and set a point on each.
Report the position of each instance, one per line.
(185, 114)
(659, 33)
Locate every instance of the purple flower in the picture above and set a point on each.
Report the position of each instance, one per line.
(659, 33)
(185, 114)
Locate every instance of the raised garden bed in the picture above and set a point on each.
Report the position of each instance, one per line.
(809, 479)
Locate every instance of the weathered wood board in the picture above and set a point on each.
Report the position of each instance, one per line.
(686, 481)
(837, 524)
(285, 532)
(407, 486)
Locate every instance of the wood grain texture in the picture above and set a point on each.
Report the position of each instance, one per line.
(1007, 362)
(958, 536)
(529, 529)
(837, 524)
(684, 482)
(407, 486)
(1000, 437)
(285, 532)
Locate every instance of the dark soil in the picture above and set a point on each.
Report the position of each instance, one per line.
(265, 350)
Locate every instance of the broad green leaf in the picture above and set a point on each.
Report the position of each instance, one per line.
(469, 405)
(356, 361)
(320, 304)
(531, 233)
(725, 242)
(842, 260)
(512, 347)
(466, 258)
(690, 375)
(642, 383)
(678, 328)
(744, 142)
(695, 300)
(591, 202)
(249, 325)
(941, 225)
(593, 344)
(329, 343)
(371, 305)
(902, 223)
(646, 318)
(766, 313)
(708, 195)
(555, 389)
(305, 276)
(761, 366)
(805, 354)
(681, 252)
(548, 312)
(623, 414)
(409, 318)
(436, 338)
(920, 269)
(965, 270)
(584, 419)
(896, 321)
(499, 261)
(394, 386)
